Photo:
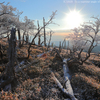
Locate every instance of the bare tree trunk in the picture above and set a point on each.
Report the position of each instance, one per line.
(89, 50)
(44, 32)
(12, 54)
(10, 73)
(60, 46)
(47, 23)
(32, 43)
(49, 40)
(23, 39)
(8, 36)
(39, 40)
(19, 37)
(27, 39)
(68, 45)
(65, 45)
(1, 54)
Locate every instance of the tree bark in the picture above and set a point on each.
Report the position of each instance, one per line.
(26, 66)
(68, 91)
(10, 73)
(49, 40)
(39, 40)
(44, 32)
(12, 54)
(19, 37)
(61, 87)
(27, 39)
(23, 39)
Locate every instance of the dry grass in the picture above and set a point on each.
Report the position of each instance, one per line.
(86, 81)
(37, 84)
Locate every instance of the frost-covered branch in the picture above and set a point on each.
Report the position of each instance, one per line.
(8, 17)
(85, 38)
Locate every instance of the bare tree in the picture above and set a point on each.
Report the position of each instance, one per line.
(44, 32)
(10, 73)
(18, 28)
(39, 40)
(84, 38)
(8, 18)
(12, 53)
(51, 32)
(27, 26)
(46, 24)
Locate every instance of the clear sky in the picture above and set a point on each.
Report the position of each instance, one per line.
(37, 9)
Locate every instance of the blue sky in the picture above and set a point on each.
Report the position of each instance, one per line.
(37, 9)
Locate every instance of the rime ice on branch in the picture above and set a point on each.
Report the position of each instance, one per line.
(86, 37)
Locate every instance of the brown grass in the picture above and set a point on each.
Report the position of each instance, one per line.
(36, 82)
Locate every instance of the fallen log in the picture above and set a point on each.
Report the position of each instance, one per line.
(67, 81)
(66, 70)
(65, 91)
(17, 69)
(26, 66)
(18, 65)
(68, 89)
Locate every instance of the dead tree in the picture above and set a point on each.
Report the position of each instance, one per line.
(12, 54)
(1, 54)
(27, 39)
(49, 39)
(64, 44)
(60, 46)
(39, 40)
(46, 24)
(10, 73)
(23, 39)
(44, 32)
(86, 41)
(19, 37)
(66, 89)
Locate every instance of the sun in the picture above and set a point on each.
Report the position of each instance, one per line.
(73, 19)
